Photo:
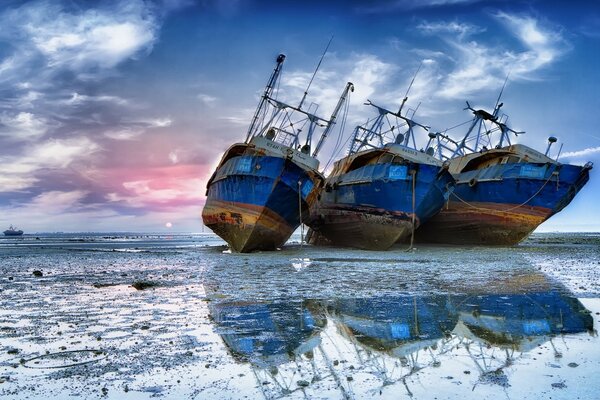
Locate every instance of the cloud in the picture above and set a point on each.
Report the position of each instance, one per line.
(158, 122)
(83, 40)
(475, 66)
(404, 5)
(206, 99)
(22, 126)
(78, 99)
(123, 134)
(56, 202)
(20, 170)
(544, 45)
(161, 188)
(16, 183)
(590, 151)
(461, 29)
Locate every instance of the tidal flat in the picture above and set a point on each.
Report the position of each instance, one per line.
(139, 316)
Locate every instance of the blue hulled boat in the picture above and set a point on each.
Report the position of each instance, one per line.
(503, 191)
(263, 188)
(381, 192)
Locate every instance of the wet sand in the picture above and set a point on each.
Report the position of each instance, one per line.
(303, 322)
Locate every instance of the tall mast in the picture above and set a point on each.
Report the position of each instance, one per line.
(267, 94)
(349, 88)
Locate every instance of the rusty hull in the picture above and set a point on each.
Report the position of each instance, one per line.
(246, 227)
(360, 228)
(482, 224)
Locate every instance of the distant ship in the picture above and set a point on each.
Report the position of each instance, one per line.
(503, 191)
(13, 231)
(383, 190)
(263, 188)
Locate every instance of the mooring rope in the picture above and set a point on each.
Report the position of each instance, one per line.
(300, 212)
(492, 211)
(412, 233)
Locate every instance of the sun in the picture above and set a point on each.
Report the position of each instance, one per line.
(168, 225)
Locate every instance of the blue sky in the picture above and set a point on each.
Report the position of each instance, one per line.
(113, 114)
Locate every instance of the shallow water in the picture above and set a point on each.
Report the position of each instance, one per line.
(303, 322)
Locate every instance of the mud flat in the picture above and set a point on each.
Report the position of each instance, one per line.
(136, 316)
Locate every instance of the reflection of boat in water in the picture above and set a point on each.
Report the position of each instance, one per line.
(503, 191)
(13, 231)
(515, 323)
(397, 325)
(268, 334)
(263, 188)
(389, 339)
(521, 321)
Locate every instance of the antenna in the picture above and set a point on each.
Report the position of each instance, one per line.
(409, 87)
(496, 106)
(315, 73)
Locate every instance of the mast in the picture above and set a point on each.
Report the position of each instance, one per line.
(375, 129)
(349, 88)
(267, 94)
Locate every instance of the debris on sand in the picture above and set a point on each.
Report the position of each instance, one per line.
(142, 285)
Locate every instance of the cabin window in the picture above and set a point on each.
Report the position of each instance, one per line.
(359, 162)
(385, 158)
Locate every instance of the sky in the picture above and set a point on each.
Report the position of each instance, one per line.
(114, 114)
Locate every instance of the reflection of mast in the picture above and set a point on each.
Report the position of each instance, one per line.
(413, 330)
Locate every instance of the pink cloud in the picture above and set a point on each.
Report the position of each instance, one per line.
(158, 188)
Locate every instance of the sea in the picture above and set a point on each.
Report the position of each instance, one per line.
(179, 316)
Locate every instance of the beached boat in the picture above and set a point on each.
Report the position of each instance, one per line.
(383, 190)
(13, 231)
(263, 188)
(503, 191)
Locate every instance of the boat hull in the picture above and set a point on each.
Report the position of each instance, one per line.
(8, 233)
(254, 202)
(372, 207)
(505, 210)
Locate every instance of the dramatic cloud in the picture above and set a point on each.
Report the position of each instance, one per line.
(478, 66)
(80, 40)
